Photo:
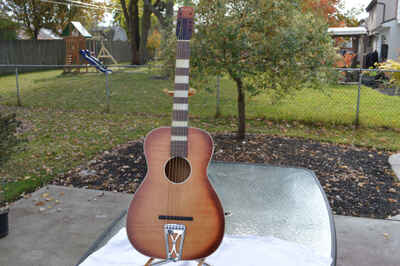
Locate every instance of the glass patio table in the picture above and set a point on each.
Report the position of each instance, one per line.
(264, 200)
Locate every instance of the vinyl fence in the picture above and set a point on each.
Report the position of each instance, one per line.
(51, 52)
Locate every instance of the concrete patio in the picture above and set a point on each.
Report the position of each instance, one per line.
(57, 225)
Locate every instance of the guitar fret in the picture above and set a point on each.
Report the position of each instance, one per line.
(179, 138)
(181, 94)
(179, 124)
(179, 128)
(182, 79)
(180, 107)
(182, 63)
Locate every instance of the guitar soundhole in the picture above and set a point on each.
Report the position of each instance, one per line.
(177, 169)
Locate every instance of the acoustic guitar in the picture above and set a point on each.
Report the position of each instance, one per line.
(175, 214)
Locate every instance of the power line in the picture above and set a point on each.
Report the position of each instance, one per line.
(81, 4)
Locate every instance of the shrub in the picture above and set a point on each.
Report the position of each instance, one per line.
(394, 76)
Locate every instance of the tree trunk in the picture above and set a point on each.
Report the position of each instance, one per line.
(145, 28)
(241, 109)
(135, 34)
(135, 53)
(35, 34)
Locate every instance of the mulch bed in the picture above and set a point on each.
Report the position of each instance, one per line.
(357, 181)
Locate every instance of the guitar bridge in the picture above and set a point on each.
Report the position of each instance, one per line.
(174, 232)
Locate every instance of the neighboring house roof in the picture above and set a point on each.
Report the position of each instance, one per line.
(371, 5)
(75, 26)
(347, 31)
(119, 34)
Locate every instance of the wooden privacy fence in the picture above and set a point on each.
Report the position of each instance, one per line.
(51, 52)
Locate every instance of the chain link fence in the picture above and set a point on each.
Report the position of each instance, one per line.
(361, 97)
(23, 91)
(378, 100)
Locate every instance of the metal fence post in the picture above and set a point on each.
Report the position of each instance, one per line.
(218, 111)
(357, 122)
(107, 94)
(17, 83)
(149, 66)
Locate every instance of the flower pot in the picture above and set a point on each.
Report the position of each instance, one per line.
(3, 222)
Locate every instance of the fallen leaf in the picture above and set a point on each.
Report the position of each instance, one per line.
(39, 203)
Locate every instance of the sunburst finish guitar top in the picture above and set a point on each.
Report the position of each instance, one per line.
(176, 214)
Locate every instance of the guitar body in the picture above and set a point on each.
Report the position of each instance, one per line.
(194, 197)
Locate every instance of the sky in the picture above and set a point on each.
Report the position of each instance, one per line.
(349, 4)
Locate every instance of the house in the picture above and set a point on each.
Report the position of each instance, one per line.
(119, 34)
(383, 24)
(350, 49)
(114, 33)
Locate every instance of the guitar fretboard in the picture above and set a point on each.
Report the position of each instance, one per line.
(179, 127)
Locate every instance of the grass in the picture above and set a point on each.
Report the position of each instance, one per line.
(137, 93)
(65, 124)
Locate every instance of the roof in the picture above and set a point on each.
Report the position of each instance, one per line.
(119, 34)
(347, 31)
(371, 5)
(77, 26)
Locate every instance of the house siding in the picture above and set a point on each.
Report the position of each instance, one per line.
(376, 14)
(391, 9)
(393, 38)
(384, 28)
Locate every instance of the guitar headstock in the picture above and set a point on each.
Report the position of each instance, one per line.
(184, 24)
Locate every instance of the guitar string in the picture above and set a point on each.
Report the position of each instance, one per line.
(175, 143)
(181, 54)
(176, 167)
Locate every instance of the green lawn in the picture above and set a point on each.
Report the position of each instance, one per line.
(65, 124)
(137, 93)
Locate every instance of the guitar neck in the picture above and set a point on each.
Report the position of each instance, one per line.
(180, 112)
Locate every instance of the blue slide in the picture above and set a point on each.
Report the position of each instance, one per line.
(94, 61)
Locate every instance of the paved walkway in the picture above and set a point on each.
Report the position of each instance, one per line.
(59, 232)
(58, 224)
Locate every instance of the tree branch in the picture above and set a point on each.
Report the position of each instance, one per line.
(156, 12)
